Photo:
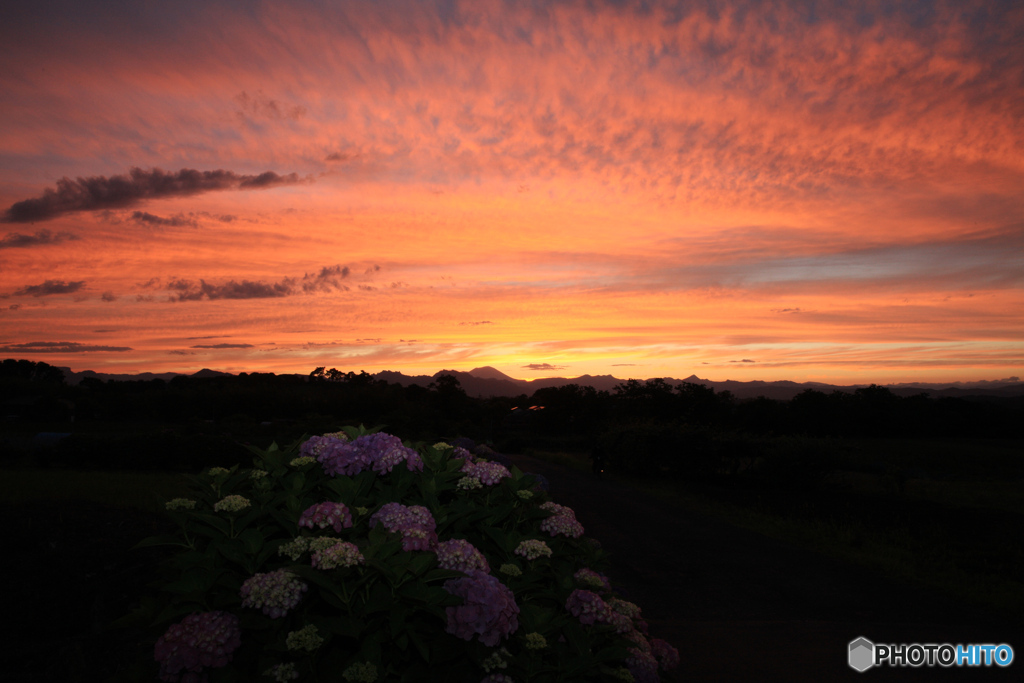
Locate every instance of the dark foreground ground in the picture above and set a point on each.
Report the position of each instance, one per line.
(738, 606)
(743, 607)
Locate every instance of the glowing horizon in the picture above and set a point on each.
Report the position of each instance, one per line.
(761, 191)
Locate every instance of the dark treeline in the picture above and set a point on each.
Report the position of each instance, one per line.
(199, 413)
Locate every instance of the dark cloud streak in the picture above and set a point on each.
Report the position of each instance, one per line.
(543, 367)
(329, 279)
(42, 237)
(59, 347)
(176, 221)
(187, 290)
(222, 346)
(51, 287)
(100, 192)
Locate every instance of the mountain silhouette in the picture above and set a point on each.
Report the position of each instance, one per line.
(488, 381)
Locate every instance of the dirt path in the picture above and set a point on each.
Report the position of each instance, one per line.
(743, 607)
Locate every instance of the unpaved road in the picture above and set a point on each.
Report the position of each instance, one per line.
(743, 607)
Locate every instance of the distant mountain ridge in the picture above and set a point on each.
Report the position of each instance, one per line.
(487, 381)
(73, 377)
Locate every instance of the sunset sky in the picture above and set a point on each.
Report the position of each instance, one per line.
(815, 191)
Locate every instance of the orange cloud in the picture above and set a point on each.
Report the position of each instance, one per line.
(820, 189)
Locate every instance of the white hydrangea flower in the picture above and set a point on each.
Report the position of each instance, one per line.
(469, 484)
(360, 673)
(305, 638)
(510, 570)
(232, 503)
(294, 548)
(496, 660)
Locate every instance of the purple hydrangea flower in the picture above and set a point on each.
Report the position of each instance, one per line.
(342, 458)
(489, 473)
(489, 609)
(556, 509)
(379, 452)
(415, 523)
(561, 524)
(461, 556)
(621, 622)
(591, 578)
(639, 640)
(462, 454)
(588, 606)
(643, 666)
(315, 446)
(667, 656)
(275, 592)
(327, 514)
(201, 640)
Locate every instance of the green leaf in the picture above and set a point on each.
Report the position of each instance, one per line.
(397, 622)
(500, 537)
(343, 487)
(421, 562)
(252, 541)
(421, 646)
(415, 590)
(573, 633)
(342, 626)
(268, 550)
(232, 550)
(331, 599)
(441, 574)
(369, 645)
(214, 521)
(380, 599)
(295, 481)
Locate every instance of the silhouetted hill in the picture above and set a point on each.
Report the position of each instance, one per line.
(488, 381)
(487, 372)
(74, 378)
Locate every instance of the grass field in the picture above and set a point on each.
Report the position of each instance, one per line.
(909, 548)
(140, 491)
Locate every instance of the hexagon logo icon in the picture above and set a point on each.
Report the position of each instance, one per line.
(862, 654)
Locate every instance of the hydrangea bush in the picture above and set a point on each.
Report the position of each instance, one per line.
(353, 556)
